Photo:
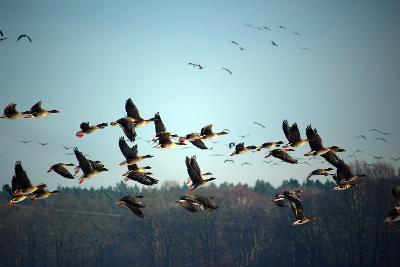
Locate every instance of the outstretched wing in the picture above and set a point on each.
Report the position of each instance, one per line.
(206, 130)
(84, 126)
(37, 107)
(129, 153)
(131, 109)
(285, 157)
(135, 210)
(286, 129)
(198, 143)
(64, 172)
(20, 178)
(315, 142)
(396, 194)
(193, 173)
(159, 124)
(84, 164)
(10, 108)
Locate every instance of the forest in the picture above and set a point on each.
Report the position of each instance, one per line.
(81, 227)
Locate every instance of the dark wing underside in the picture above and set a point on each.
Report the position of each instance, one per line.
(129, 153)
(84, 164)
(131, 109)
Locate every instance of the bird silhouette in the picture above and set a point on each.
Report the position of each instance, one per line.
(24, 36)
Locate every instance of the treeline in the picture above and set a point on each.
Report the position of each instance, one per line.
(81, 227)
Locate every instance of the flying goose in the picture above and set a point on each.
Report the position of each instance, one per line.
(37, 111)
(133, 203)
(24, 36)
(21, 184)
(324, 172)
(292, 134)
(191, 203)
(207, 133)
(127, 126)
(240, 149)
(282, 155)
(130, 154)
(60, 168)
(88, 129)
(89, 168)
(195, 174)
(133, 114)
(10, 112)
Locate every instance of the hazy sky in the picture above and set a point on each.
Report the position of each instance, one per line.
(88, 57)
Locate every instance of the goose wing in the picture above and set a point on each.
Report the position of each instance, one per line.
(206, 130)
(315, 143)
(187, 205)
(129, 153)
(282, 155)
(85, 126)
(37, 107)
(158, 123)
(135, 210)
(10, 109)
(131, 109)
(129, 128)
(63, 172)
(193, 173)
(20, 179)
(198, 143)
(84, 164)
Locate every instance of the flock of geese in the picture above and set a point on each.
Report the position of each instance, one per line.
(21, 187)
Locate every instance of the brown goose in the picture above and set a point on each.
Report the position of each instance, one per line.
(60, 169)
(88, 129)
(195, 174)
(89, 168)
(299, 213)
(282, 155)
(344, 176)
(315, 143)
(130, 154)
(240, 149)
(133, 203)
(133, 114)
(42, 193)
(320, 172)
(37, 111)
(127, 126)
(26, 187)
(160, 128)
(10, 112)
(164, 141)
(191, 203)
(290, 195)
(292, 134)
(270, 145)
(207, 133)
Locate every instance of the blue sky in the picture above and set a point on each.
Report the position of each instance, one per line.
(88, 57)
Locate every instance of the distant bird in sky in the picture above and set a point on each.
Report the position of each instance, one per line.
(242, 49)
(26, 141)
(266, 28)
(200, 67)
(361, 136)
(379, 131)
(259, 124)
(296, 33)
(382, 139)
(229, 160)
(274, 44)
(1, 33)
(378, 157)
(216, 155)
(66, 147)
(243, 136)
(231, 145)
(43, 144)
(227, 70)
(267, 161)
(282, 27)
(233, 42)
(24, 36)
(246, 163)
(3, 39)
(305, 49)
(88, 129)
